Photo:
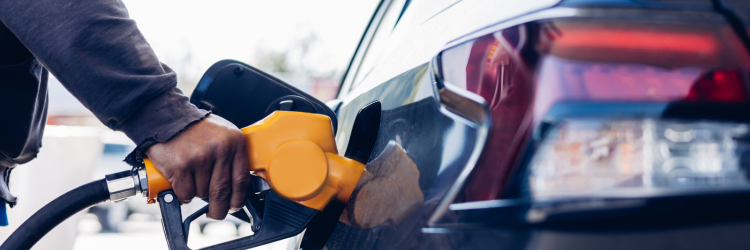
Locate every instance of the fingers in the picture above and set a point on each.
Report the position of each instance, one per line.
(240, 178)
(203, 180)
(183, 185)
(220, 189)
(207, 159)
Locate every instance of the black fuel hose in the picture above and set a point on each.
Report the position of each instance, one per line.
(55, 212)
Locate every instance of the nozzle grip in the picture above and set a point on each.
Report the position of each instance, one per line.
(157, 183)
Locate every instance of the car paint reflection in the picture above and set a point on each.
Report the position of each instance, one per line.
(438, 146)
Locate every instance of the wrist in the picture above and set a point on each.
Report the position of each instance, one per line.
(159, 120)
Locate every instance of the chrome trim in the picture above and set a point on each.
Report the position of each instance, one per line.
(432, 230)
(140, 177)
(458, 102)
(464, 103)
(473, 108)
(487, 204)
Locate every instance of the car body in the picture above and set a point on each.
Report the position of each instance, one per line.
(474, 100)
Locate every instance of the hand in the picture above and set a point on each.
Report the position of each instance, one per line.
(207, 159)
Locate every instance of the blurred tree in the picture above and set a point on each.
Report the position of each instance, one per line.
(273, 61)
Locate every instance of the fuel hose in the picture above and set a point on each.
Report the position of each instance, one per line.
(55, 212)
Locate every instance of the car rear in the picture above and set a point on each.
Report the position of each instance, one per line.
(607, 119)
(587, 125)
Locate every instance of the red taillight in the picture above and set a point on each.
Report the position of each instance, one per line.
(718, 86)
(570, 80)
(587, 61)
(638, 62)
(662, 44)
(632, 39)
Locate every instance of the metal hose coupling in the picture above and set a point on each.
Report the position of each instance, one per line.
(126, 184)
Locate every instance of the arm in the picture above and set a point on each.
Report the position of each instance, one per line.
(100, 56)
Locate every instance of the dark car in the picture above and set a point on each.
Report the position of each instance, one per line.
(546, 124)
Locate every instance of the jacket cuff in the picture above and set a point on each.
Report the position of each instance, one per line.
(159, 120)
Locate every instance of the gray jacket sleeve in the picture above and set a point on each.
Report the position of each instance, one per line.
(100, 56)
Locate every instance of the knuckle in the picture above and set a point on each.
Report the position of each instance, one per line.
(180, 161)
(198, 155)
(218, 145)
(241, 182)
(236, 134)
(239, 137)
(204, 169)
(214, 143)
(221, 193)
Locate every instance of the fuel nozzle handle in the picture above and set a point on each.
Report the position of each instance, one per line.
(296, 154)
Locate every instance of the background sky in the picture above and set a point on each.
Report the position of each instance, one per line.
(314, 38)
(302, 42)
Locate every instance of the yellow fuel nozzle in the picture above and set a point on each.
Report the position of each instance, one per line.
(296, 154)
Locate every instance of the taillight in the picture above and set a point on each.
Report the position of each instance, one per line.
(638, 62)
(666, 44)
(579, 38)
(524, 71)
(627, 117)
(719, 86)
(637, 158)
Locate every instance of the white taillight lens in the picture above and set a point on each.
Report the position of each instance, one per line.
(588, 157)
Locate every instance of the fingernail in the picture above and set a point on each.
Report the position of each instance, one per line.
(234, 210)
